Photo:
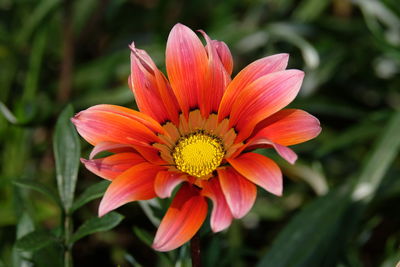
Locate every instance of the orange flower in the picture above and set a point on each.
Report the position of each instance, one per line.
(196, 130)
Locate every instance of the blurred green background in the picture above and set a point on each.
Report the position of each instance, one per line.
(341, 200)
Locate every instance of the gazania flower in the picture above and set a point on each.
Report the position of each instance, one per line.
(195, 131)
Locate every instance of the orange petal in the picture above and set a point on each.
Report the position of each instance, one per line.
(217, 80)
(248, 75)
(187, 63)
(152, 91)
(166, 181)
(221, 216)
(262, 98)
(108, 123)
(149, 153)
(137, 183)
(288, 127)
(260, 170)
(112, 166)
(146, 120)
(182, 220)
(240, 194)
(224, 55)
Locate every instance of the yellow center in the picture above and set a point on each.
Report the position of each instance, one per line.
(198, 153)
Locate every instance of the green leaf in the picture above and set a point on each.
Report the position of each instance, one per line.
(66, 151)
(39, 187)
(304, 241)
(97, 224)
(35, 240)
(25, 226)
(144, 236)
(379, 161)
(92, 192)
(7, 114)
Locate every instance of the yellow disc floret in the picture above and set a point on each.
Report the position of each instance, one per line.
(198, 153)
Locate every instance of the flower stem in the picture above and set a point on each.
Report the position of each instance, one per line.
(195, 250)
(67, 239)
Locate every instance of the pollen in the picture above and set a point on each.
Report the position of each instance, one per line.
(198, 153)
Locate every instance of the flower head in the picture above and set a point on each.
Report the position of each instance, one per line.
(195, 130)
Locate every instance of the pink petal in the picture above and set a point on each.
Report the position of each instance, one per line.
(260, 170)
(187, 66)
(152, 91)
(285, 152)
(263, 98)
(288, 127)
(183, 219)
(224, 55)
(166, 181)
(216, 81)
(110, 147)
(112, 166)
(137, 183)
(221, 216)
(240, 194)
(248, 75)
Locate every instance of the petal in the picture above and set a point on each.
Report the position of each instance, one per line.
(260, 170)
(224, 55)
(262, 98)
(108, 123)
(182, 220)
(248, 75)
(187, 64)
(289, 127)
(132, 114)
(110, 147)
(137, 183)
(285, 152)
(221, 216)
(217, 81)
(152, 91)
(166, 181)
(112, 166)
(240, 194)
(150, 153)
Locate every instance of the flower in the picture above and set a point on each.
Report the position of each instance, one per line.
(196, 130)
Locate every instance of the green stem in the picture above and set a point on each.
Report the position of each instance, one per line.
(67, 241)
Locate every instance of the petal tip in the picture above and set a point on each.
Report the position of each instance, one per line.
(75, 119)
(104, 207)
(217, 229)
(292, 160)
(283, 56)
(160, 248)
(102, 211)
(179, 26)
(279, 193)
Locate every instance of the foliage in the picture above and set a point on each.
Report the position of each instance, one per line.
(340, 200)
